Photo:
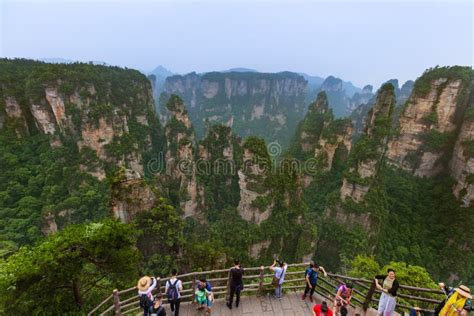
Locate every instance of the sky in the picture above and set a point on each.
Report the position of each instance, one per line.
(366, 42)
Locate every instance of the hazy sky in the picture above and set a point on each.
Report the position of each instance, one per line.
(364, 42)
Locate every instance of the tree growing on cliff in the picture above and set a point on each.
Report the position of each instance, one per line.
(161, 237)
(60, 274)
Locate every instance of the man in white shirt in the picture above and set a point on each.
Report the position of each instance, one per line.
(173, 288)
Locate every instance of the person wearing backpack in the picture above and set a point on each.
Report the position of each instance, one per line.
(311, 277)
(173, 288)
(157, 308)
(145, 287)
(236, 284)
(343, 298)
(279, 267)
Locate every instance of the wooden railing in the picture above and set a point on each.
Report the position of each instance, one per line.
(258, 281)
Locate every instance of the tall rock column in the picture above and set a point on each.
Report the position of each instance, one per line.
(429, 123)
(461, 166)
(255, 201)
(370, 148)
(180, 157)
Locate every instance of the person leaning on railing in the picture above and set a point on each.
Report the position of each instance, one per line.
(389, 289)
(311, 277)
(343, 298)
(458, 301)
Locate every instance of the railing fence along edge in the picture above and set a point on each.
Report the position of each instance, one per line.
(121, 305)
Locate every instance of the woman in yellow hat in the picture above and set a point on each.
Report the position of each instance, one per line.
(456, 302)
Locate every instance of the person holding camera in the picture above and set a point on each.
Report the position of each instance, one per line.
(279, 267)
(145, 286)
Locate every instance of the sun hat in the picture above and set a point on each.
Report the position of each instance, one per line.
(144, 283)
(464, 291)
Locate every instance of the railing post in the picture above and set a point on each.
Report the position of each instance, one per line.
(260, 284)
(227, 296)
(368, 297)
(193, 287)
(118, 311)
(158, 285)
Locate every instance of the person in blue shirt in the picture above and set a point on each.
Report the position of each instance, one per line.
(311, 278)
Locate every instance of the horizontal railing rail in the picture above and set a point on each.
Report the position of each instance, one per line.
(365, 294)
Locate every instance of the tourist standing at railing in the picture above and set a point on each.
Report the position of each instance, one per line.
(389, 289)
(280, 270)
(342, 299)
(236, 284)
(458, 301)
(145, 287)
(311, 277)
(449, 291)
(173, 289)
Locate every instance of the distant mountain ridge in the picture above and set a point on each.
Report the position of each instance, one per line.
(252, 103)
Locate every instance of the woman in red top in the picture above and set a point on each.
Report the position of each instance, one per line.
(322, 310)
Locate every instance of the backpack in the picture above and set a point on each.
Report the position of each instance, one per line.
(145, 301)
(172, 291)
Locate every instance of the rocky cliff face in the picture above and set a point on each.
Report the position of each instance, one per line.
(335, 138)
(310, 129)
(435, 129)
(370, 148)
(428, 126)
(319, 136)
(338, 100)
(100, 118)
(126, 187)
(360, 98)
(361, 105)
(255, 203)
(259, 104)
(461, 166)
(180, 157)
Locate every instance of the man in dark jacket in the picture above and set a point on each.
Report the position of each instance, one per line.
(236, 284)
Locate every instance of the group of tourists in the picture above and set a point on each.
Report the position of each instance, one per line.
(456, 303)
(152, 305)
